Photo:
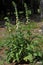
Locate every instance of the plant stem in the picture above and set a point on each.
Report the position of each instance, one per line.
(16, 12)
(26, 9)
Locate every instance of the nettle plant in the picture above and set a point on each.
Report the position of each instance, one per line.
(21, 46)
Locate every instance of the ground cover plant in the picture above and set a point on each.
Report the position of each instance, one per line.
(21, 44)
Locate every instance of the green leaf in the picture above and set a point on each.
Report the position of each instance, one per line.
(35, 54)
(29, 57)
(39, 53)
(17, 56)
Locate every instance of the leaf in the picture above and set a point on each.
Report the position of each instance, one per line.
(35, 54)
(32, 46)
(39, 53)
(17, 56)
(29, 57)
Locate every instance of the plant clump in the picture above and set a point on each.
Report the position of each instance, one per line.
(21, 45)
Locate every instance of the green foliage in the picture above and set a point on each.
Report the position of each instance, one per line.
(6, 19)
(21, 45)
